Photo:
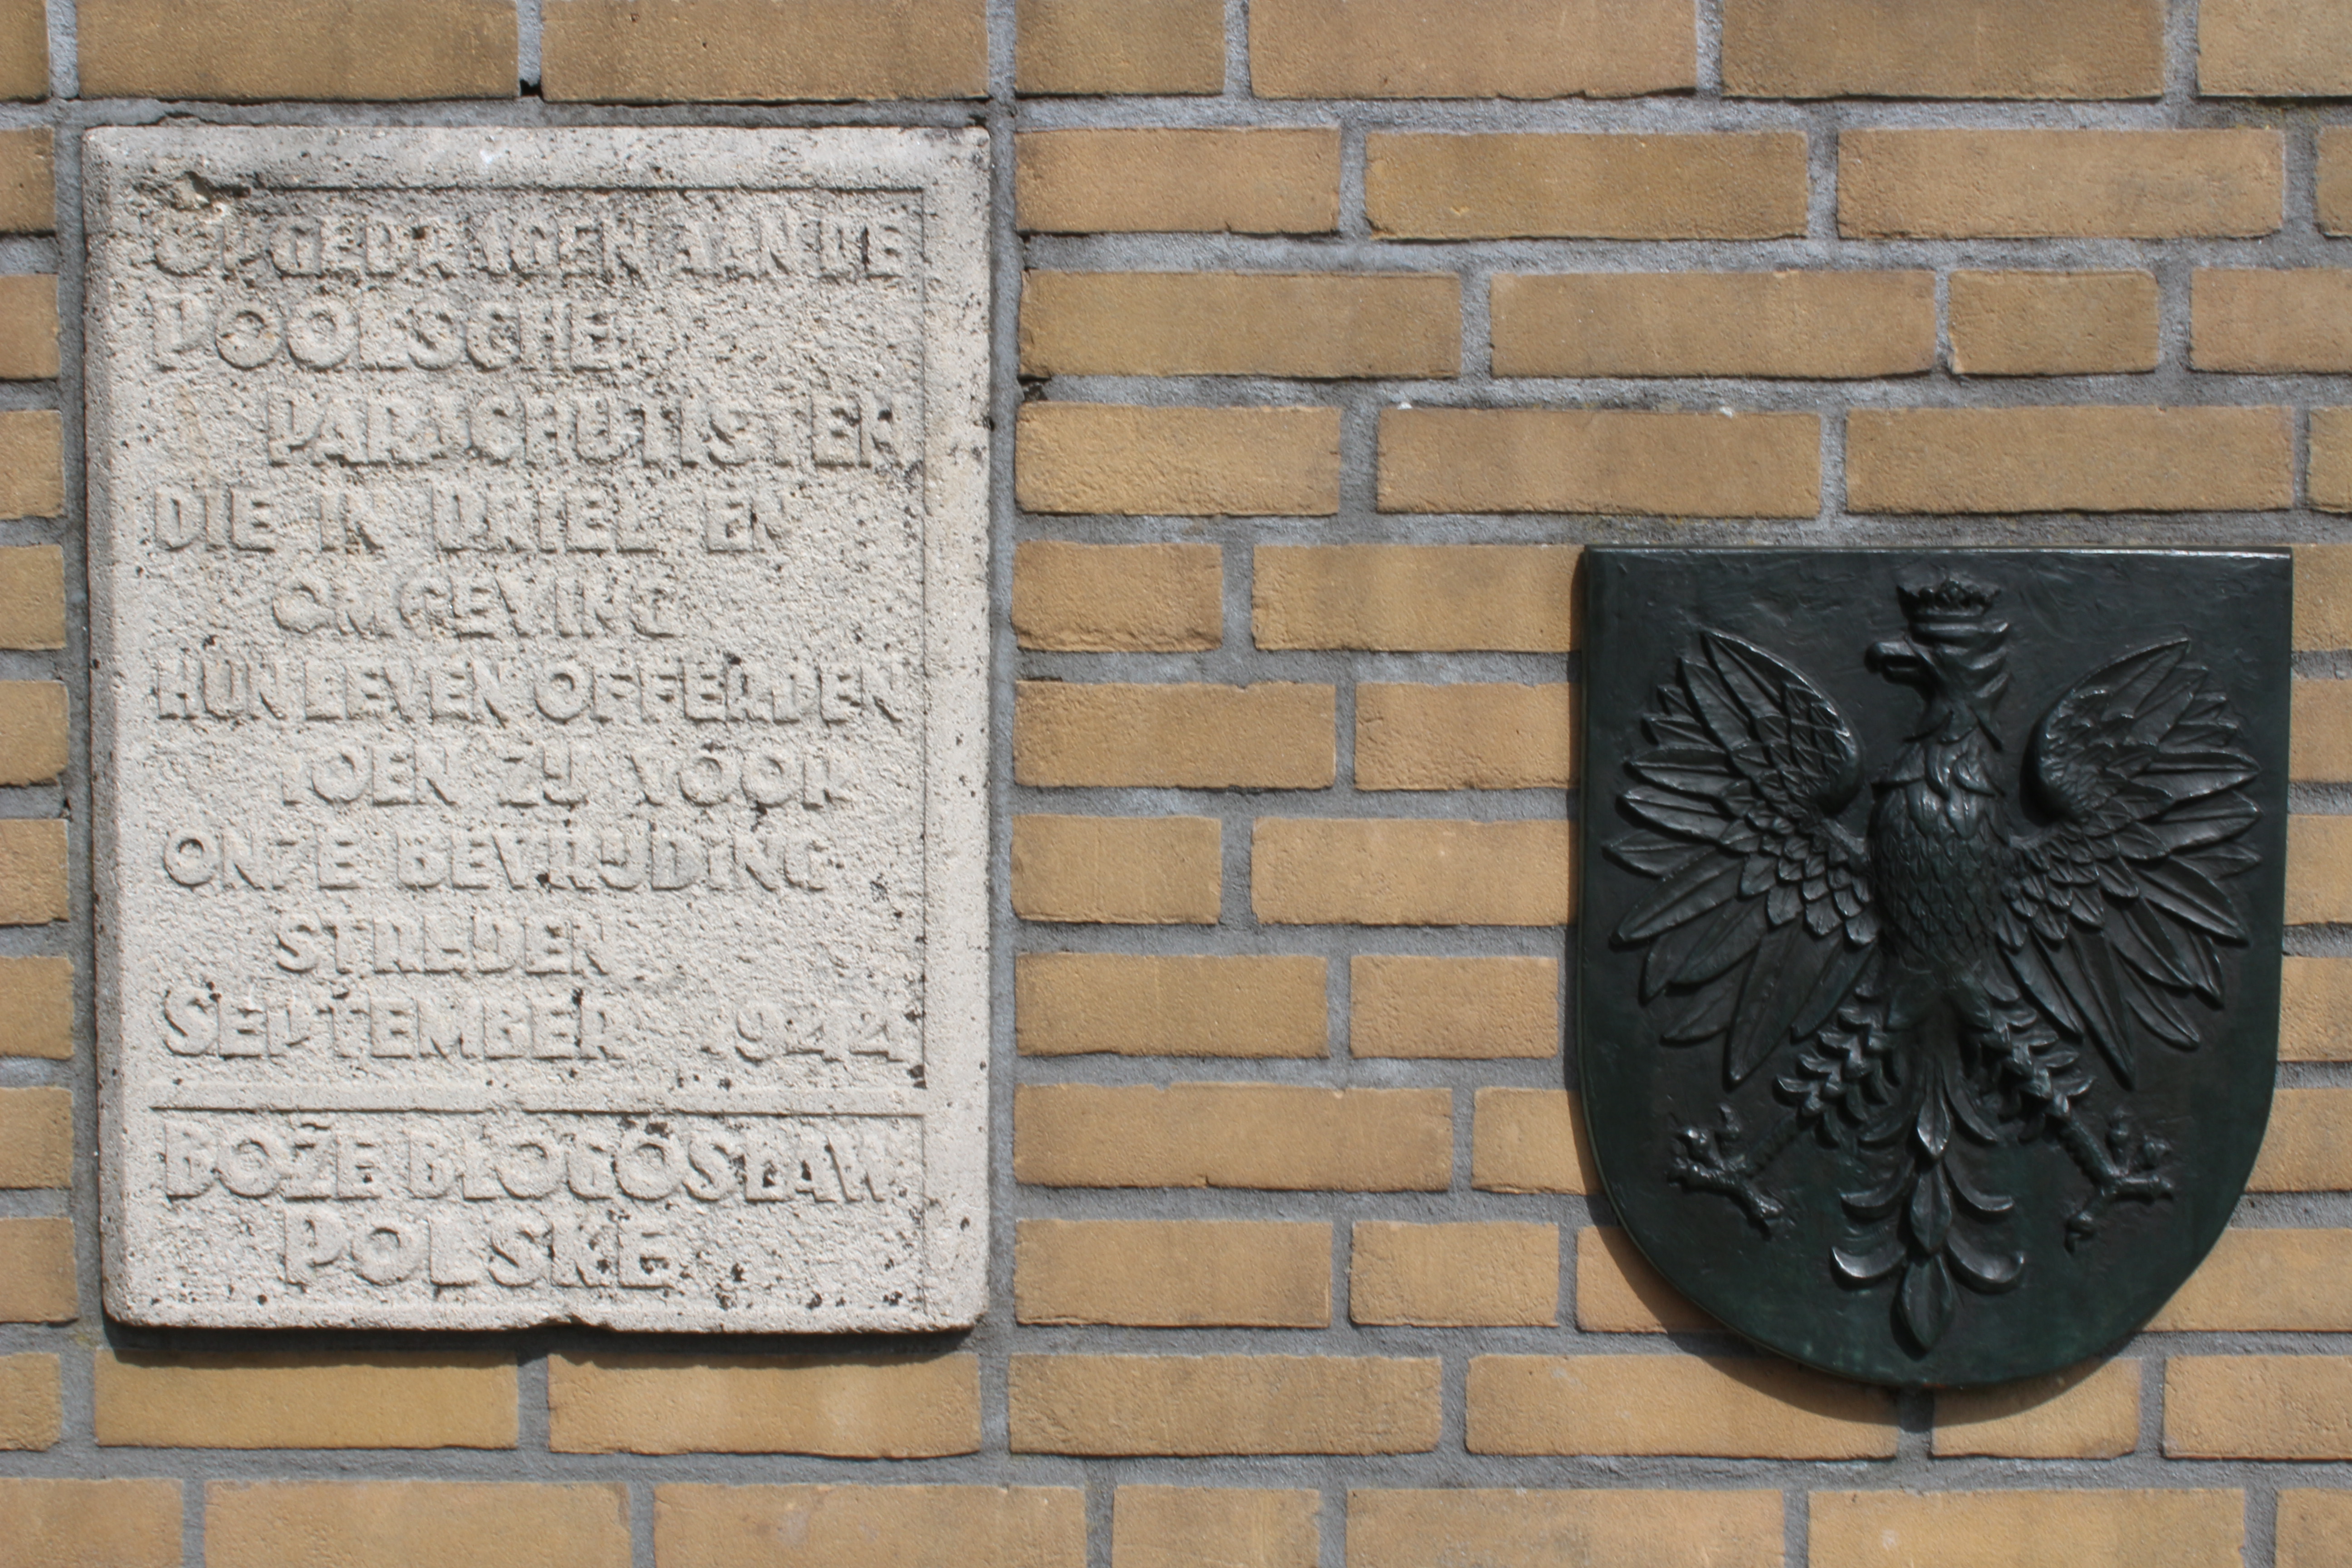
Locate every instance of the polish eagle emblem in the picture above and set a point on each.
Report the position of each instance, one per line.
(1970, 971)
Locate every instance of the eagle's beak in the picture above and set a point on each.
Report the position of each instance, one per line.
(1896, 660)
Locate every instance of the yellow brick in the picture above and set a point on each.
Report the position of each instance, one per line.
(2054, 323)
(24, 48)
(2334, 196)
(1119, 46)
(1276, 1137)
(1174, 1274)
(2258, 1407)
(1964, 48)
(35, 1137)
(1418, 598)
(1471, 49)
(1152, 181)
(1117, 870)
(1112, 1405)
(2168, 1529)
(2316, 1011)
(1599, 461)
(248, 51)
(271, 1399)
(869, 1527)
(1306, 324)
(2308, 1148)
(2069, 459)
(1215, 1527)
(2323, 588)
(394, 1524)
(1190, 462)
(673, 52)
(32, 731)
(28, 324)
(2320, 741)
(32, 596)
(1131, 1005)
(1497, 1528)
(1117, 598)
(32, 1411)
(2330, 479)
(37, 1271)
(36, 1007)
(1469, 735)
(2087, 1412)
(1744, 1408)
(2289, 1281)
(28, 195)
(2129, 184)
(2315, 1530)
(2274, 48)
(1586, 185)
(861, 1407)
(2319, 869)
(1399, 871)
(92, 1524)
(33, 872)
(1274, 735)
(1455, 1008)
(32, 463)
(1489, 1274)
(1529, 1140)
(2270, 319)
(1617, 1291)
(1808, 323)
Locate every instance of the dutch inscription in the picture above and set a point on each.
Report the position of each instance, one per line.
(540, 648)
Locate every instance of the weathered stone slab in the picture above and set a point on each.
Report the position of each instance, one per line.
(540, 628)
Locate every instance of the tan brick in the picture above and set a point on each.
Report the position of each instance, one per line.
(1117, 870)
(2315, 1010)
(1174, 1274)
(1529, 1140)
(1471, 49)
(32, 596)
(1968, 48)
(1599, 461)
(869, 1527)
(2314, 1529)
(1113, 1404)
(24, 49)
(32, 1411)
(1742, 1408)
(274, 1399)
(1163, 181)
(1215, 1527)
(1497, 1528)
(36, 1007)
(2258, 1407)
(1466, 735)
(1188, 462)
(2270, 319)
(2128, 184)
(249, 51)
(2323, 587)
(1586, 185)
(1304, 324)
(1117, 598)
(1810, 324)
(1276, 1137)
(1400, 871)
(2087, 1412)
(92, 1524)
(32, 463)
(2319, 747)
(2274, 48)
(2330, 479)
(2069, 459)
(35, 1137)
(2319, 869)
(2052, 323)
(1273, 735)
(393, 1524)
(2308, 1148)
(32, 731)
(1617, 1291)
(1420, 598)
(2290, 1281)
(2334, 196)
(1493, 1273)
(33, 889)
(1119, 46)
(28, 325)
(1459, 1009)
(674, 52)
(37, 1271)
(1134, 1005)
(858, 1407)
(2166, 1529)
(28, 186)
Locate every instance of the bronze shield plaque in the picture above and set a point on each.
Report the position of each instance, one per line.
(1929, 959)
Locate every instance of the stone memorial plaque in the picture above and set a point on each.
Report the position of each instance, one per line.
(540, 638)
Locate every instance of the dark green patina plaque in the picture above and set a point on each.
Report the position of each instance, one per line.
(1930, 959)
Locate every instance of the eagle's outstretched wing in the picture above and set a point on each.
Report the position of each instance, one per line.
(2113, 913)
(1761, 919)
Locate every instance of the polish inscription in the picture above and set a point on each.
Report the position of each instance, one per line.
(539, 658)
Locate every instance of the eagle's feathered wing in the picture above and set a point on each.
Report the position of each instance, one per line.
(1761, 921)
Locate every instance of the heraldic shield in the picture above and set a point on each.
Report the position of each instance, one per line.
(1929, 953)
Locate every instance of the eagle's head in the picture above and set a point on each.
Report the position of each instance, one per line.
(1955, 652)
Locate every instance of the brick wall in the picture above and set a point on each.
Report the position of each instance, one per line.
(1327, 331)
